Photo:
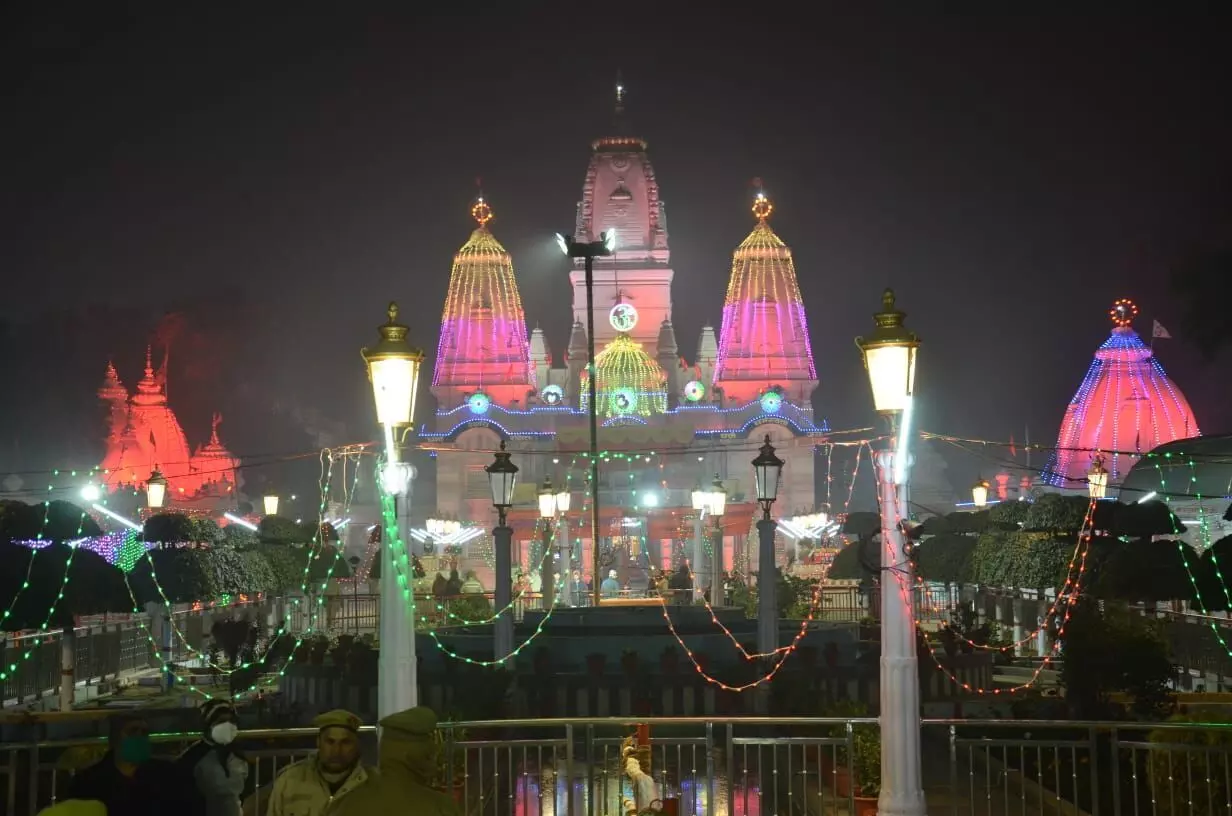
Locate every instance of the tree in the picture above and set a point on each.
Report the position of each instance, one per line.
(946, 559)
(1113, 650)
(1136, 519)
(1055, 513)
(1215, 573)
(991, 559)
(51, 586)
(53, 521)
(1144, 570)
(281, 530)
(168, 528)
(1008, 515)
(861, 558)
(1040, 560)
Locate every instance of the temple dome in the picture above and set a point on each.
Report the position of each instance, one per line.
(483, 341)
(1125, 406)
(152, 437)
(763, 339)
(214, 465)
(628, 381)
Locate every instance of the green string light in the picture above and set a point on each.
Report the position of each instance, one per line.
(7, 671)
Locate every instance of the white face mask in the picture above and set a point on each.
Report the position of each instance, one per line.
(224, 733)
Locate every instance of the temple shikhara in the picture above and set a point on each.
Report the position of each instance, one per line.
(143, 433)
(672, 415)
(1124, 407)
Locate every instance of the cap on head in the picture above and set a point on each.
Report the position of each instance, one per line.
(214, 711)
(338, 718)
(414, 723)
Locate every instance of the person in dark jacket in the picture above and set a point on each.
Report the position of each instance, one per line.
(216, 772)
(126, 780)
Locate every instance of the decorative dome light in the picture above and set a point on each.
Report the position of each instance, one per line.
(628, 381)
(694, 390)
(771, 402)
(478, 403)
(552, 395)
(622, 317)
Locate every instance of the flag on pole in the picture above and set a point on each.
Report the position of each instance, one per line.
(1159, 332)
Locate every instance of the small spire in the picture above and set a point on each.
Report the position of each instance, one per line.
(149, 361)
(620, 94)
(1123, 313)
(762, 206)
(480, 210)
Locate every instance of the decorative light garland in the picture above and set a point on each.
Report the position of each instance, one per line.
(628, 381)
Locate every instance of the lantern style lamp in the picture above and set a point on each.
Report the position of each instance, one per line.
(701, 498)
(718, 497)
(979, 493)
(563, 500)
(271, 505)
(889, 356)
(502, 478)
(155, 489)
(1097, 479)
(767, 468)
(547, 499)
(393, 368)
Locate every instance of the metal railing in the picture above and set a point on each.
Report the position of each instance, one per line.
(753, 766)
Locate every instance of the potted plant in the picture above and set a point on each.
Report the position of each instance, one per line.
(866, 768)
(836, 762)
(451, 764)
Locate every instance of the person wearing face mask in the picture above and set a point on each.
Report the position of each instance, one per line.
(126, 780)
(312, 786)
(408, 767)
(215, 771)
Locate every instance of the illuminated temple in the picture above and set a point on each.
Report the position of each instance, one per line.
(143, 433)
(1124, 407)
(668, 421)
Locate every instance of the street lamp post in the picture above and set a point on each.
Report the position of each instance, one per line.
(502, 478)
(701, 503)
(155, 489)
(588, 251)
(979, 493)
(717, 506)
(1097, 478)
(890, 357)
(766, 468)
(551, 502)
(393, 367)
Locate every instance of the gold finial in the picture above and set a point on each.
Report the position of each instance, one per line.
(149, 360)
(481, 212)
(393, 313)
(762, 206)
(1123, 312)
(620, 90)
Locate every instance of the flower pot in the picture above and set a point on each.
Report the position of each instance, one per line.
(842, 781)
(865, 806)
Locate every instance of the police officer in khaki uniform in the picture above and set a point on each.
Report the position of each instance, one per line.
(316, 785)
(408, 764)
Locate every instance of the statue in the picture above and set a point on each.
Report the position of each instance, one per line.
(645, 795)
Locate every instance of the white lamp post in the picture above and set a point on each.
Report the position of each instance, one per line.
(271, 505)
(393, 368)
(551, 503)
(766, 468)
(1097, 478)
(701, 504)
(502, 479)
(979, 493)
(155, 489)
(890, 357)
(716, 504)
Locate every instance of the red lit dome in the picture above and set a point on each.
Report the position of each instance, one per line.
(1125, 406)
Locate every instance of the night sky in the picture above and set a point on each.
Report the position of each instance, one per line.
(276, 176)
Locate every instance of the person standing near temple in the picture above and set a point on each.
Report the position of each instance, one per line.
(313, 786)
(218, 774)
(127, 780)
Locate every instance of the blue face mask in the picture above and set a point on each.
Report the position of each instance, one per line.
(135, 749)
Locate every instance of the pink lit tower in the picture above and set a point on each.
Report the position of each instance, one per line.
(763, 342)
(483, 356)
(1125, 406)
